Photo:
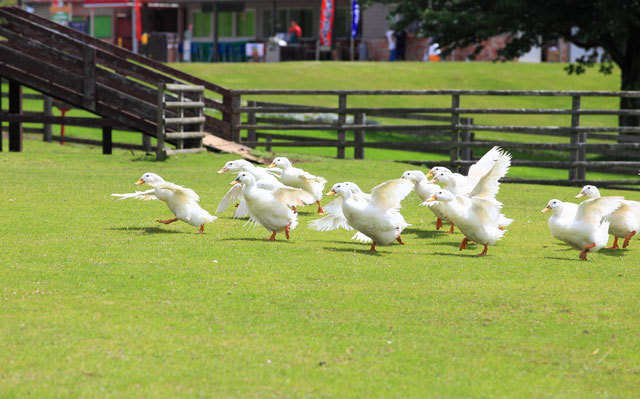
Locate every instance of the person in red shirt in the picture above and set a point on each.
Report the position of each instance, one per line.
(294, 33)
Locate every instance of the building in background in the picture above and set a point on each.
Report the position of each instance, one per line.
(220, 29)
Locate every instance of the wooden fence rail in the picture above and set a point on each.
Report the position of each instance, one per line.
(445, 129)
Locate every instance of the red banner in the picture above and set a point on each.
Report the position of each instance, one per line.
(136, 9)
(326, 22)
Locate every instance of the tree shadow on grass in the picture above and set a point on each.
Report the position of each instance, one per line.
(351, 250)
(147, 230)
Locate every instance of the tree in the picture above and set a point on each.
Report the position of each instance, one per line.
(612, 25)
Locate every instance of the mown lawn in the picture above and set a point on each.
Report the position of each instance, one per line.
(98, 300)
(408, 75)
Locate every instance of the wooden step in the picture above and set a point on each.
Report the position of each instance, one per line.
(184, 104)
(179, 88)
(184, 135)
(184, 121)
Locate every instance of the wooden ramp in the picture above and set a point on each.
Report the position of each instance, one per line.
(111, 82)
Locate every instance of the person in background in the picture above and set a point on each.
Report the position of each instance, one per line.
(295, 32)
(401, 45)
(392, 45)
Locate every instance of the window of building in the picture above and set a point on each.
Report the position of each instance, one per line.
(340, 23)
(304, 18)
(201, 24)
(225, 24)
(102, 26)
(245, 23)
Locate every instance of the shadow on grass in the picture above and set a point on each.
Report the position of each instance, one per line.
(351, 250)
(613, 252)
(461, 254)
(422, 233)
(147, 230)
(256, 239)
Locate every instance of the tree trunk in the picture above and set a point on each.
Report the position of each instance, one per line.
(630, 69)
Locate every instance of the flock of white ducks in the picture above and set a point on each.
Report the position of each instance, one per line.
(270, 197)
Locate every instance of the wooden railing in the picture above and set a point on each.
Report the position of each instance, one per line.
(453, 131)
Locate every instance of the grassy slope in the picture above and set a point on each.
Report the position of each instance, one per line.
(98, 300)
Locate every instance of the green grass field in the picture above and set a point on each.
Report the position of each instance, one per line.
(100, 301)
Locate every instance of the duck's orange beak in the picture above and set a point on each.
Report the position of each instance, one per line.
(435, 180)
(331, 192)
(546, 209)
(430, 174)
(273, 165)
(233, 183)
(223, 170)
(139, 182)
(432, 198)
(580, 195)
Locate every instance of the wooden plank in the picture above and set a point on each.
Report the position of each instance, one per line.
(160, 128)
(454, 151)
(251, 120)
(219, 144)
(60, 120)
(183, 121)
(15, 107)
(68, 139)
(234, 102)
(185, 104)
(184, 88)
(171, 151)
(107, 142)
(184, 135)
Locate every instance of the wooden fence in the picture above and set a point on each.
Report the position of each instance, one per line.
(453, 131)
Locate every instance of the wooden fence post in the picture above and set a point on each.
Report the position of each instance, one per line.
(574, 154)
(160, 152)
(107, 142)
(267, 147)
(359, 135)
(465, 152)
(1, 124)
(236, 102)
(47, 132)
(146, 143)
(342, 119)
(251, 120)
(454, 152)
(15, 107)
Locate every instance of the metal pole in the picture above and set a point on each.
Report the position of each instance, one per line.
(134, 28)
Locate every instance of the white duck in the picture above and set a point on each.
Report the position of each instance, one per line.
(335, 218)
(425, 189)
(582, 226)
(379, 219)
(477, 214)
(264, 179)
(624, 222)
(460, 184)
(296, 177)
(271, 208)
(183, 202)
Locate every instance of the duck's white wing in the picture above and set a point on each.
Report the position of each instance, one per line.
(309, 177)
(486, 212)
(293, 196)
(389, 194)
(489, 184)
(242, 210)
(334, 219)
(361, 237)
(141, 195)
(594, 210)
(482, 167)
(233, 195)
(187, 193)
(269, 183)
(274, 171)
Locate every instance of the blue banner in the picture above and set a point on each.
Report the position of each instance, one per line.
(355, 18)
